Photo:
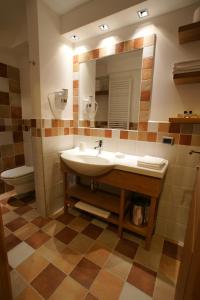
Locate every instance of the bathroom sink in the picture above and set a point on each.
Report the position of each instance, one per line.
(88, 163)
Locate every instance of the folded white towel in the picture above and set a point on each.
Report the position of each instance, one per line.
(151, 162)
(92, 209)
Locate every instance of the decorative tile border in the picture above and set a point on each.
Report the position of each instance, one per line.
(183, 134)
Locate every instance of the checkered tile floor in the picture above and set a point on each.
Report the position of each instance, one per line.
(76, 256)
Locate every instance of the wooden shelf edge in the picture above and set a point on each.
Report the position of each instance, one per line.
(189, 33)
(185, 120)
(187, 78)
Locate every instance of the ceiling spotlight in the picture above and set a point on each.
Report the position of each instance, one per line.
(143, 13)
(103, 27)
(75, 37)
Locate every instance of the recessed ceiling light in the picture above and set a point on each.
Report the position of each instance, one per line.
(75, 37)
(143, 13)
(103, 27)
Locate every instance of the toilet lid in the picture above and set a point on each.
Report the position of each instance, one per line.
(17, 172)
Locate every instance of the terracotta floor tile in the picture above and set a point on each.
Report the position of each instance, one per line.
(131, 292)
(99, 223)
(16, 224)
(90, 297)
(142, 278)
(40, 221)
(48, 280)
(108, 238)
(69, 289)
(18, 254)
(169, 268)
(29, 294)
(9, 217)
(98, 254)
(32, 266)
(92, 231)
(53, 227)
(11, 241)
(66, 235)
(85, 272)
(78, 224)
(66, 260)
(65, 218)
(31, 215)
(4, 209)
(118, 266)
(18, 284)
(37, 239)
(172, 250)
(163, 289)
(127, 248)
(23, 209)
(51, 249)
(25, 231)
(148, 258)
(106, 286)
(87, 216)
(7, 232)
(81, 243)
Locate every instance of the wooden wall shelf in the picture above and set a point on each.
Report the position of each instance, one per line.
(186, 78)
(189, 33)
(185, 120)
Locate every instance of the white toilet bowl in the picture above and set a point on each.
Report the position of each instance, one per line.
(21, 178)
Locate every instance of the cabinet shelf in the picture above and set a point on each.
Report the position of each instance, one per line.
(186, 78)
(189, 33)
(185, 120)
(110, 202)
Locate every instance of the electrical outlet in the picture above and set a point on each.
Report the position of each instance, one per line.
(168, 140)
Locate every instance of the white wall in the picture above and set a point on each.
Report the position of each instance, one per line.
(167, 98)
(55, 60)
(55, 56)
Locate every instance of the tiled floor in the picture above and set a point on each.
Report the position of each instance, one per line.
(76, 256)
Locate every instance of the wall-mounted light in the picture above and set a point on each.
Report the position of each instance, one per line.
(75, 37)
(103, 27)
(143, 13)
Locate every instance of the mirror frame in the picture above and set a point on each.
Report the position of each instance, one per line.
(147, 44)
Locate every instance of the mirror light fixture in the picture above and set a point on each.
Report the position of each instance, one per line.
(143, 13)
(103, 27)
(75, 37)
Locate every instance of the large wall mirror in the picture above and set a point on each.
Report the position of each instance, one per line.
(109, 90)
(112, 86)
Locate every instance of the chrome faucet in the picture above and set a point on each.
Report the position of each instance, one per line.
(100, 146)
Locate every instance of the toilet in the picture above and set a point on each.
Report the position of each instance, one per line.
(21, 178)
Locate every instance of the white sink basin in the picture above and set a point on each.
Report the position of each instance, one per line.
(88, 163)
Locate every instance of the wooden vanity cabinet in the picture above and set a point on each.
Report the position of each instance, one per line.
(118, 205)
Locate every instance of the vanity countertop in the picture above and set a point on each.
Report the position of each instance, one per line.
(120, 161)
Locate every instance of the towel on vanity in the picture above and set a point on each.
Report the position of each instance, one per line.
(151, 162)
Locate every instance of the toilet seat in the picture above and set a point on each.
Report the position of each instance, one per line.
(17, 172)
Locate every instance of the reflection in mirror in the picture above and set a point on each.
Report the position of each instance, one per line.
(110, 91)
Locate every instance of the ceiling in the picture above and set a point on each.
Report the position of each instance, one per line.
(129, 16)
(63, 6)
